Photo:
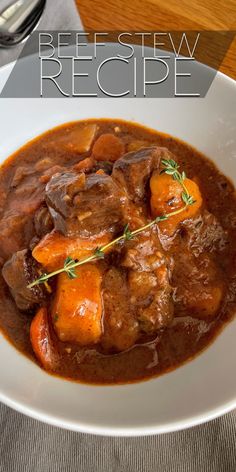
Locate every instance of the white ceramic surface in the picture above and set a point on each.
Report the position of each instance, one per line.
(194, 393)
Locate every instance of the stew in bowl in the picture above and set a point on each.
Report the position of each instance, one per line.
(117, 251)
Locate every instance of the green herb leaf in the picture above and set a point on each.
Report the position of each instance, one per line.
(127, 233)
(173, 163)
(165, 162)
(69, 267)
(185, 197)
(99, 253)
(68, 262)
(71, 273)
(191, 201)
(177, 177)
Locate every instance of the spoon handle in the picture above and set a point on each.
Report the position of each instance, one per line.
(14, 16)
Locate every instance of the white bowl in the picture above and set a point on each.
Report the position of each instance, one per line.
(194, 393)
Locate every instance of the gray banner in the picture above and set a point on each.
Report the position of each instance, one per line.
(148, 64)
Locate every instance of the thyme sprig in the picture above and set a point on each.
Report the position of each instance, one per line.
(170, 167)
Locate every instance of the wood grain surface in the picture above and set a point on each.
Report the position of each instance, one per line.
(160, 15)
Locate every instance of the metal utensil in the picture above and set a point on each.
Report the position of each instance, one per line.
(18, 20)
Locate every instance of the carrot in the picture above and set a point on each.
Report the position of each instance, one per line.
(53, 249)
(77, 307)
(41, 340)
(166, 196)
(108, 148)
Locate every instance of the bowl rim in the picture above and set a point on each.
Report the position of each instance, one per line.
(56, 420)
(195, 420)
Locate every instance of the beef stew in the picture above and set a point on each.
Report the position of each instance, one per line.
(117, 251)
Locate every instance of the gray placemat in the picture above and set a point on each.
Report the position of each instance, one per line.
(27, 445)
(58, 15)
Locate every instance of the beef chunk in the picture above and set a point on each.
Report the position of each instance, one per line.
(85, 205)
(18, 272)
(47, 174)
(121, 328)
(134, 169)
(42, 221)
(149, 282)
(16, 232)
(159, 313)
(151, 294)
(20, 174)
(198, 285)
(136, 303)
(143, 253)
(205, 233)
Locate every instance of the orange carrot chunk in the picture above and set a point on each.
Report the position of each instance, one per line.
(42, 342)
(77, 308)
(53, 249)
(166, 197)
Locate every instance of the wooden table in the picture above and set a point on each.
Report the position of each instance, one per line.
(162, 15)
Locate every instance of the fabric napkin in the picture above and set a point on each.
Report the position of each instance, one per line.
(26, 445)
